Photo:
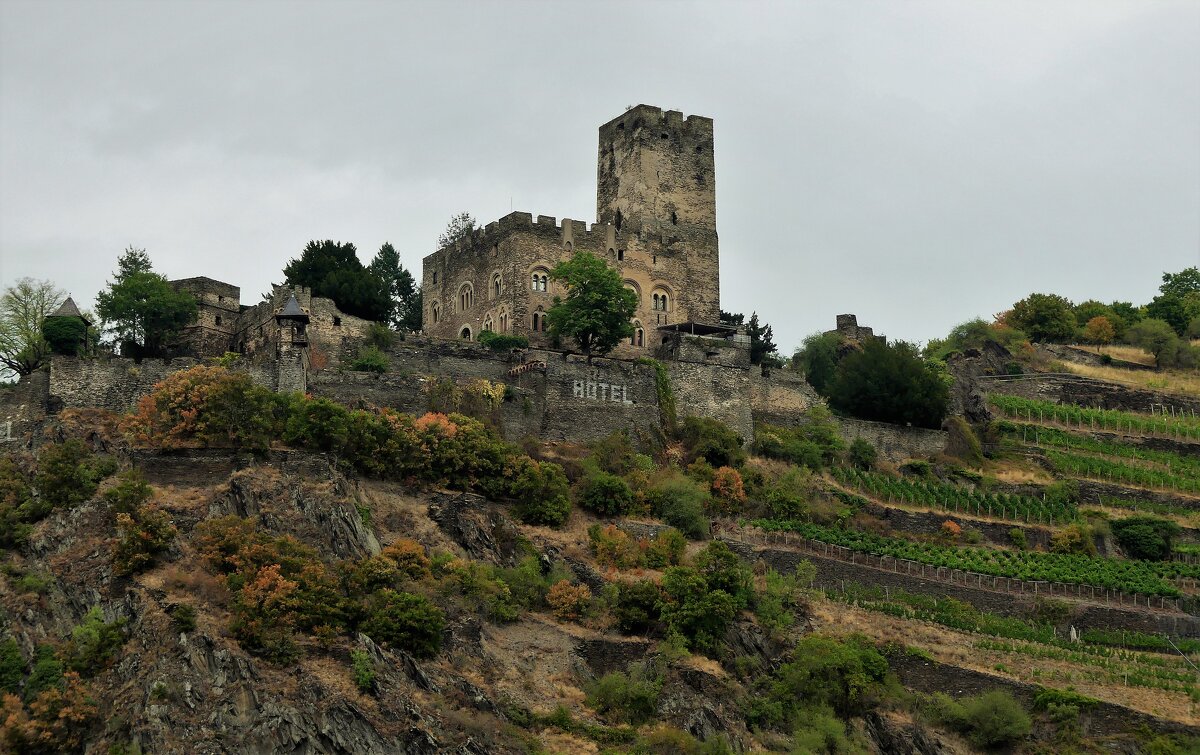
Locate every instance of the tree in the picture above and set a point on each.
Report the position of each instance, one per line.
(405, 314)
(974, 334)
(332, 270)
(1044, 317)
(1158, 338)
(23, 307)
(141, 309)
(459, 227)
(1178, 300)
(598, 310)
(817, 358)
(1099, 330)
(889, 383)
(762, 345)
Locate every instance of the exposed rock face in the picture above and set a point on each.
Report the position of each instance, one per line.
(484, 534)
(966, 397)
(893, 737)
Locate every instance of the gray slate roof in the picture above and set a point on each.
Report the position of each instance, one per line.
(69, 309)
(292, 309)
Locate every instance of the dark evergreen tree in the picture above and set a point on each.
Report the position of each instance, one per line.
(405, 314)
(332, 270)
(889, 383)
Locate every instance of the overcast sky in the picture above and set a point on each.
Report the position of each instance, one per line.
(917, 163)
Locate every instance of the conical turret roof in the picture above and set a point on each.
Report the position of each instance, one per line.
(292, 309)
(69, 309)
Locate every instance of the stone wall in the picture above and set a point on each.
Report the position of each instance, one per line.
(780, 397)
(22, 409)
(117, 384)
(895, 443)
(705, 390)
(930, 523)
(1101, 719)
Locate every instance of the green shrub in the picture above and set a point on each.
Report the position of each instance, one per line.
(130, 492)
(862, 454)
(183, 616)
(141, 536)
(631, 697)
(789, 496)
(362, 670)
(995, 718)
(815, 443)
(724, 570)
(713, 441)
(818, 730)
(681, 503)
(636, 608)
(605, 494)
(843, 675)
(370, 359)
(405, 621)
(64, 335)
(502, 341)
(47, 672)
(379, 336)
(542, 493)
(775, 605)
(614, 453)
(692, 610)
(93, 643)
(664, 549)
(68, 473)
(1145, 537)
(1016, 536)
(12, 665)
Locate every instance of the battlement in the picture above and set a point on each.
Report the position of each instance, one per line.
(649, 116)
(483, 237)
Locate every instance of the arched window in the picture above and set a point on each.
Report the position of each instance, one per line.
(639, 335)
(661, 301)
(487, 323)
(541, 279)
(503, 319)
(466, 297)
(497, 285)
(435, 313)
(465, 334)
(539, 321)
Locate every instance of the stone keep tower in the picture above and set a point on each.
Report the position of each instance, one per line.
(656, 177)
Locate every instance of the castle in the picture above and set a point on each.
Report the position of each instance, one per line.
(656, 224)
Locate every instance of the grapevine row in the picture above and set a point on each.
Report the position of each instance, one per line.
(1049, 436)
(1018, 407)
(1142, 577)
(1090, 466)
(956, 498)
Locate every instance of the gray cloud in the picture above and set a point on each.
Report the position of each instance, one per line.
(917, 163)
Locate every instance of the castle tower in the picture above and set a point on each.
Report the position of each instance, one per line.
(292, 349)
(655, 177)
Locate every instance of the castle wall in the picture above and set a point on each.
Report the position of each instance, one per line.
(117, 384)
(22, 409)
(706, 390)
(780, 397)
(217, 309)
(895, 443)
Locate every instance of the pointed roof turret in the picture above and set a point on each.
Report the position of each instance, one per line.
(69, 309)
(292, 311)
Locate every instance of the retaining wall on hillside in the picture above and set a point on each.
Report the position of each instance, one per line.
(895, 443)
(1065, 389)
(22, 409)
(1100, 719)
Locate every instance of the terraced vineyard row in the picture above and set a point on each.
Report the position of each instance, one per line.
(1017, 407)
(956, 498)
(1140, 577)
(1107, 469)
(1039, 435)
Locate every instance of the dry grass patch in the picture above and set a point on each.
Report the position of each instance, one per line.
(1124, 352)
(1185, 382)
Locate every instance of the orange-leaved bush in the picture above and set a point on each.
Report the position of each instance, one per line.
(568, 601)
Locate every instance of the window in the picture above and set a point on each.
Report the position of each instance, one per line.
(539, 321)
(541, 280)
(639, 335)
(503, 321)
(435, 277)
(487, 323)
(435, 313)
(218, 321)
(465, 334)
(466, 297)
(620, 254)
(496, 285)
(660, 301)
(337, 322)
(220, 298)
